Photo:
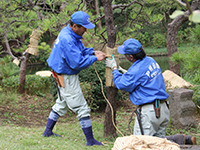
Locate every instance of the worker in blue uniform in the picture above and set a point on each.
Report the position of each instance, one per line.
(146, 87)
(67, 59)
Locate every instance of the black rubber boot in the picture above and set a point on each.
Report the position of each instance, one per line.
(89, 137)
(49, 127)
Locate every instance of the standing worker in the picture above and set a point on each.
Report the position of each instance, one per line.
(146, 87)
(67, 59)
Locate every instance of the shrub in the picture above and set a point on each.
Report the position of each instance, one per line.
(53, 89)
(88, 75)
(189, 61)
(87, 89)
(194, 34)
(180, 38)
(159, 40)
(7, 68)
(144, 38)
(35, 85)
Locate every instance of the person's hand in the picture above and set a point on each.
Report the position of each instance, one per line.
(111, 63)
(100, 55)
(122, 70)
(97, 52)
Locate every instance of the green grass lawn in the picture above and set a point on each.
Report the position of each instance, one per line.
(17, 138)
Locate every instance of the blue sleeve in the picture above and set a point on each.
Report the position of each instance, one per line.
(86, 51)
(126, 82)
(75, 57)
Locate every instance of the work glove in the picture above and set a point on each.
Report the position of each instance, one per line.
(122, 70)
(110, 62)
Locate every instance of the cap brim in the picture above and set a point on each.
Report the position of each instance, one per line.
(89, 26)
(120, 49)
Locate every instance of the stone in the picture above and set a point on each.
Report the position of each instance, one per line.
(182, 108)
(172, 80)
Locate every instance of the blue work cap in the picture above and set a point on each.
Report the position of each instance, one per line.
(82, 18)
(130, 46)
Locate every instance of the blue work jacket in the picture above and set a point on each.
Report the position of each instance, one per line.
(68, 55)
(143, 81)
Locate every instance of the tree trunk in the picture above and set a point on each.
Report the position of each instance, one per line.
(22, 73)
(172, 34)
(109, 129)
(110, 27)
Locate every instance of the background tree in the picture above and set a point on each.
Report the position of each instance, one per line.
(19, 18)
(173, 30)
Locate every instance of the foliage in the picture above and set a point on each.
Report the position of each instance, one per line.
(144, 38)
(159, 40)
(196, 95)
(7, 68)
(87, 89)
(180, 38)
(89, 75)
(35, 85)
(194, 16)
(194, 36)
(19, 18)
(189, 61)
(44, 51)
(53, 89)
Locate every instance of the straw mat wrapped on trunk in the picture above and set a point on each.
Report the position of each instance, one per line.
(34, 38)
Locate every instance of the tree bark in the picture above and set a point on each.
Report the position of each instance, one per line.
(172, 34)
(22, 73)
(109, 129)
(8, 46)
(172, 41)
(110, 27)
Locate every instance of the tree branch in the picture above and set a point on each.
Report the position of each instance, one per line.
(8, 46)
(188, 6)
(180, 2)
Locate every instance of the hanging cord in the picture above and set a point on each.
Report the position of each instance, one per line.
(107, 101)
(130, 120)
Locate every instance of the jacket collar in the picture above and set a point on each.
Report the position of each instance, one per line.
(74, 34)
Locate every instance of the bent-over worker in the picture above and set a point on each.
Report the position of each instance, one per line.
(146, 87)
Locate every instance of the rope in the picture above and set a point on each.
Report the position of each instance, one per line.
(107, 101)
(130, 120)
(114, 55)
(32, 46)
(31, 36)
